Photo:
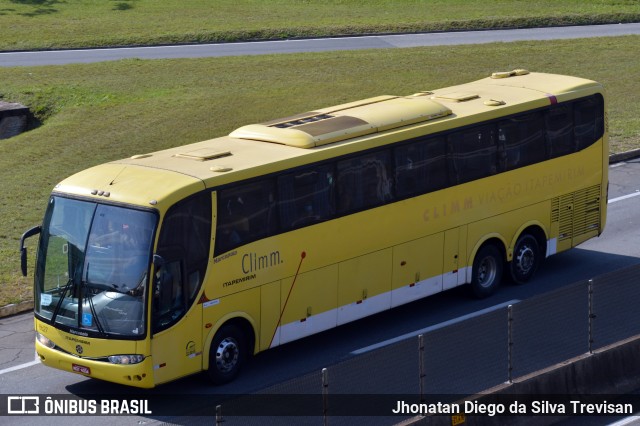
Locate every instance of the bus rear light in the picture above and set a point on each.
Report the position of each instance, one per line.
(45, 341)
(126, 359)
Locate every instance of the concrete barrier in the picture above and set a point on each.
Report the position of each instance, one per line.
(613, 370)
(624, 156)
(14, 119)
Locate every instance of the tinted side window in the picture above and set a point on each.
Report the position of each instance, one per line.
(421, 167)
(184, 245)
(364, 181)
(559, 125)
(186, 230)
(473, 153)
(246, 213)
(306, 196)
(589, 121)
(522, 139)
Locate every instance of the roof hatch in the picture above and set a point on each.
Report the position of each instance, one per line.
(343, 122)
(507, 74)
(457, 96)
(203, 154)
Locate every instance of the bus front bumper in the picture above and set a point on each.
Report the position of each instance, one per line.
(138, 375)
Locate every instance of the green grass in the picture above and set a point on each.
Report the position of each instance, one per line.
(94, 113)
(36, 24)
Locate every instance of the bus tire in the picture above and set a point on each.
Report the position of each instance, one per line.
(487, 271)
(228, 352)
(526, 259)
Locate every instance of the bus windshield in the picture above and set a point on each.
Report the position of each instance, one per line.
(93, 263)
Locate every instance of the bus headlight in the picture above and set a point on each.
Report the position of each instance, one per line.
(45, 341)
(126, 359)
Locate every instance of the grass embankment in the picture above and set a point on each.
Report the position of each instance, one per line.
(99, 112)
(43, 24)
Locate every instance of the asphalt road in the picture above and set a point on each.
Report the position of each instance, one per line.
(20, 373)
(58, 57)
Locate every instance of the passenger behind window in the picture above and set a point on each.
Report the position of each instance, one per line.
(236, 223)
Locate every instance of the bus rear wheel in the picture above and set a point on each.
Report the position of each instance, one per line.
(487, 271)
(228, 352)
(526, 259)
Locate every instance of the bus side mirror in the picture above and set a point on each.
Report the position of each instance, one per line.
(23, 250)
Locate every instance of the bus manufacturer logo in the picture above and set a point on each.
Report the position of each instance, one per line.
(79, 349)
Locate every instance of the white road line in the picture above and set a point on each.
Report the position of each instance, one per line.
(21, 366)
(433, 327)
(624, 197)
(627, 421)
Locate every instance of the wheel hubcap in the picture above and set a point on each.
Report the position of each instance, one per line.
(525, 260)
(487, 272)
(227, 355)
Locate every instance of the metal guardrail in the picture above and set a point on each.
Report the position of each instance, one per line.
(456, 361)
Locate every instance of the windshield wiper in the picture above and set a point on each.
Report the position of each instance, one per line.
(66, 288)
(86, 285)
(95, 316)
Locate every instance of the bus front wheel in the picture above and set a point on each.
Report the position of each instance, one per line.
(487, 271)
(526, 258)
(228, 352)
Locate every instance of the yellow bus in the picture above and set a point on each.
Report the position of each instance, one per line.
(194, 258)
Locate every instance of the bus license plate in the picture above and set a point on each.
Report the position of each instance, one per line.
(80, 369)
